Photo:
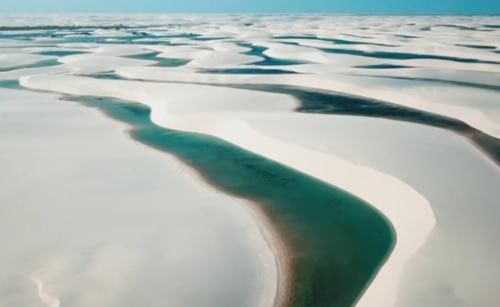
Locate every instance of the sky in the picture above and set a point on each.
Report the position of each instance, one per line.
(487, 7)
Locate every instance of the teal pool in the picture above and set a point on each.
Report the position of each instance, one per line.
(336, 242)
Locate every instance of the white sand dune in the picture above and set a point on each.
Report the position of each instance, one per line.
(17, 73)
(463, 192)
(445, 103)
(223, 58)
(178, 106)
(120, 50)
(438, 191)
(8, 60)
(100, 220)
(456, 75)
(183, 52)
(93, 63)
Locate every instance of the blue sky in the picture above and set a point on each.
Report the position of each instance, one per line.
(333, 6)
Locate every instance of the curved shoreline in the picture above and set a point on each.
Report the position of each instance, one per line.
(270, 235)
(488, 144)
(339, 173)
(290, 139)
(327, 102)
(465, 115)
(286, 294)
(279, 250)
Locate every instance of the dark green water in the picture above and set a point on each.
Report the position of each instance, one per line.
(202, 38)
(492, 26)
(406, 36)
(88, 37)
(441, 81)
(12, 84)
(43, 63)
(61, 53)
(62, 28)
(247, 71)
(487, 47)
(336, 41)
(338, 242)
(403, 55)
(325, 102)
(382, 66)
(25, 36)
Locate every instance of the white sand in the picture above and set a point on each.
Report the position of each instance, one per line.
(462, 189)
(90, 217)
(94, 63)
(387, 90)
(17, 73)
(413, 222)
(223, 58)
(456, 265)
(11, 60)
(120, 50)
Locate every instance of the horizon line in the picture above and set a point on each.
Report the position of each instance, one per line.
(497, 14)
